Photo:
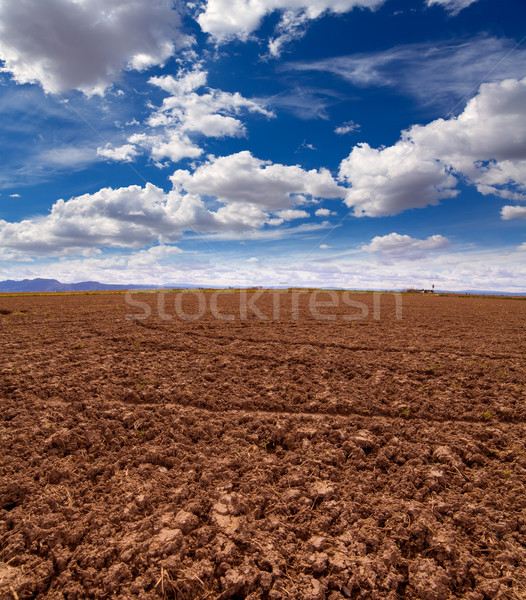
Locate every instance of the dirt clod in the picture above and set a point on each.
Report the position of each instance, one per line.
(185, 521)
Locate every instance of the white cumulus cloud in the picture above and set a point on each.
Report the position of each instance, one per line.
(513, 212)
(170, 143)
(390, 180)
(290, 214)
(131, 217)
(125, 153)
(228, 19)
(395, 244)
(232, 196)
(212, 113)
(191, 109)
(242, 179)
(324, 212)
(125, 217)
(85, 44)
(485, 144)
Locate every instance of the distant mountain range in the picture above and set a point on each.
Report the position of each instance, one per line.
(52, 285)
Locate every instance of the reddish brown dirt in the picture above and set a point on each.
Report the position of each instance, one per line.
(262, 459)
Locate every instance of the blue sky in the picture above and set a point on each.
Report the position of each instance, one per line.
(370, 144)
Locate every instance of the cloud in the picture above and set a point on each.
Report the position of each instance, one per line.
(131, 217)
(347, 127)
(324, 212)
(68, 156)
(42, 161)
(242, 179)
(170, 144)
(45, 134)
(513, 212)
(152, 265)
(126, 217)
(434, 73)
(184, 83)
(307, 146)
(84, 45)
(324, 246)
(186, 112)
(448, 268)
(304, 102)
(14, 195)
(267, 234)
(291, 26)
(485, 144)
(290, 214)
(452, 6)
(230, 19)
(233, 196)
(201, 113)
(405, 246)
(227, 19)
(388, 181)
(125, 153)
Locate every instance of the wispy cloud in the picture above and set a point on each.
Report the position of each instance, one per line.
(434, 73)
(63, 135)
(269, 234)
(452, 6)
(347, 127)
(304, 102)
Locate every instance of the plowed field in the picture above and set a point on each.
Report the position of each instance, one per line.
(263, 453)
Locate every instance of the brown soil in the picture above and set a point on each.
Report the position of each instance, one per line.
(262, 459)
